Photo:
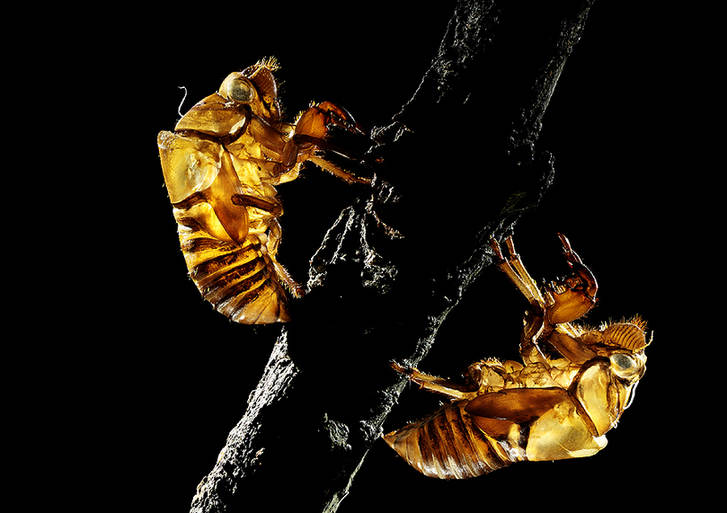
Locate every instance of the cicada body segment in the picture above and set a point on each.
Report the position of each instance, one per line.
(448, 445)
(221, 165)
(239, 279)
(548, 407)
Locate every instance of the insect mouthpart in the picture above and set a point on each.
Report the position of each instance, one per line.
(632, 394)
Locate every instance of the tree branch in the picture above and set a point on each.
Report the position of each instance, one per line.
(460, 164)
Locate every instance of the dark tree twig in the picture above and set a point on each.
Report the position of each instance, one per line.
(460, 163)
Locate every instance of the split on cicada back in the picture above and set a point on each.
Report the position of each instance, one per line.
(221, 165)
(543, 408)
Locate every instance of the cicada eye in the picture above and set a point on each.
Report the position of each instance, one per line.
(241, 91)
(237, 88)
(623, 365)
(622, 361)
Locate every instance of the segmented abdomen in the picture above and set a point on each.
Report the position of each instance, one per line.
(448, 445)
(238, 279)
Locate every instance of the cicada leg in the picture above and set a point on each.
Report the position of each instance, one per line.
(337, 171)
(247, 200)
(273, 242)
(276, 210)
(572, 297)
(313, 132)
(533, 327)
(559, 302)
(490, 375)
(434, 383)
(284, 276)
(515, 270)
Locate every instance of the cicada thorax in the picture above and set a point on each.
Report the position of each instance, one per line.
(449, 445)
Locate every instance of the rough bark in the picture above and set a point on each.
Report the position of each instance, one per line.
(460, 163)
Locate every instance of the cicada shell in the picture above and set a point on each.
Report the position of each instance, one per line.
(221, 165)
(543, 408)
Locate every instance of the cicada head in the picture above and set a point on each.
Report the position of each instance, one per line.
(224, 113)
(261, 74)
(256, 87)
(626, 343)
(607, 388)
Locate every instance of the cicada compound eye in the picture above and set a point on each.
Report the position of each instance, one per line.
(237, 88)
(626, 366)
(622, 362)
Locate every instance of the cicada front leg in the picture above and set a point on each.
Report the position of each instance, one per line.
(314, 132)
(574, 296)
(562, 301)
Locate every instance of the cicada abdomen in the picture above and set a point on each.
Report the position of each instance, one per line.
(449, 445)
(238, 279)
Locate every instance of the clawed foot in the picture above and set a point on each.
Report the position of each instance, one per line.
(433, 383)
(561, 300)
(406, 371)
(573, 296)
(333, 140)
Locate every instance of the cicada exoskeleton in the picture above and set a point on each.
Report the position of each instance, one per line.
(543, 408)
(221, 165)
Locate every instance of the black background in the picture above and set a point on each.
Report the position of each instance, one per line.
(164, 377)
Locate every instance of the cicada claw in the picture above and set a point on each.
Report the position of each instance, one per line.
(319, 120)
(562, 300)
(339, 117)
(571, 297)
(406, 371)
(323, 131)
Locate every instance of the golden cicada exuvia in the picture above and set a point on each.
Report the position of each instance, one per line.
(221, 165)
(545, 408)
